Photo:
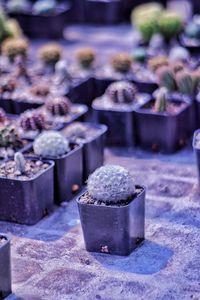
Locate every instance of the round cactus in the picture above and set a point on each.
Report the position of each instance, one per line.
(32, 120)
(166, 78)
(76, 131)
(122, 62)
(44, 6)
(139, 54)
(111, 184)
(177, 66)
(50, 54)
(15, 47)
(7, 85)
(192, 30)
(40, 89)
(58, 106)
(3, 116)
(179, 54)
(85, 57)
(9, 136)
(156, 62)
(160, 100)
(185, 82)
(18, 5)
(50, 143)
(121, 92)
(169, 24)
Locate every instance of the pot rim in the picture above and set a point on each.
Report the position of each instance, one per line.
(7, 240)
(194, 139)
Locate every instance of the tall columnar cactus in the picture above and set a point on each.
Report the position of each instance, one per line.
(160, 100)
(166, 78)
(169, 24)
(14, 47)
(50, 54)
(9, 136)
(51, 144)
(121, 62)
(121, 92)
(20, 162)
(32, 120)
(111, 184)
(3, 116)
(58, 106)
(156, 62)
(185, 82)
(86, 57)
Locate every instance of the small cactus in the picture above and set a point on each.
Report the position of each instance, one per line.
(86, 57)
(177, 66)
(44, 6)
(40, 89)
(7, 85)
(58, 106)
(61, 71)
(15, 47)
(156, 62)
(166, 78)
(50, 54)
(121, 92)
(111, 184)
(122, 62)
(169, 24)
(3, 116)
(51, 144)
(139, 54)
(185, 82)
(20, 162)
(76, 131)
(18, 5)
(160, 100)
(9, 136)
(179, 54)
(32, 120)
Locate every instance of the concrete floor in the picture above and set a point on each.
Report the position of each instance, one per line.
(49, 261)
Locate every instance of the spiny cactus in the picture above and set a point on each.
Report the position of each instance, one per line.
(160, 100)
(18, 5)
(156, 42)
(51, 144)
(192, 30)
(50, 54)
(20, 162)
(15, 47)
(44, 6)
(85, 57)
(7, 84)
(58, 106)
(179, 54)
(40, 89)
(3, 116)
(111, 184)
(32, 120)
(9, 136)
(76, 131)
(185, 82)
(166, 78)
(169, 24)
(177, 66)
(156, 62)
(121, 92)
(122, 62)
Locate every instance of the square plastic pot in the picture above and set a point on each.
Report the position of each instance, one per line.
(116, 230)
(162, 132)
(145, 87)
(197, 152)
(5, 268)
(21, 106)
(27, 201)
(103, 12)
(101, 85)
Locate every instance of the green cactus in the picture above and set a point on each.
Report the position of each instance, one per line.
(20, 162)
(185, 82)
(86, 57)
(161, 100)
(169, 24)
(50, 53)
(121, 62)
(8, 136)
(156, 62)
(166, 78)
(15, 47)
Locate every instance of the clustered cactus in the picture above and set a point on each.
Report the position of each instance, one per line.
(160, 100)
(85, 57)
(111, 184)
(50, 54)
(58, 106)
(121, 92)
(121, 62)
(3, 116)
(9, 136)
(15, 47)
(20, 162)
(32, 120)
(51, 144)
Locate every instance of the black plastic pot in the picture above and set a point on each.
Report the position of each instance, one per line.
(21, 106)
(101, 85)
(145, 87)
(27, 201)
(114, 230)
(194, 49)
(164, 132)
(5, 267)
(7, 105)
(103, 12)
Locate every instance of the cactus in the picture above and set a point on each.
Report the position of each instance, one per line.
(157, 62)
(185, 82)
(51, 144)
(192, 30)
(121, 92)
(50, 54)
(160, 100)
(13, 28)
(18, 5)
(9, 136)
(44, 6)
(169, 24)
(177, 66)
(15, 47)
(58, 106)
(7, 84)
(111, 184)
(85, 57)
(20, 162)
(139, 54)
(166, 78)
(122, 62)
(179, 54)
(76, 131)
(156, 42)
(3, 116)
(32, 120)
(5, 31)
(61, 71)
(40, 89)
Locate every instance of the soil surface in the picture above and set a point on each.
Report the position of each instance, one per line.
(172, 107)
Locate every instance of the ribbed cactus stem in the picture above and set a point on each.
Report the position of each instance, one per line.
(20, 162)
(161, 100)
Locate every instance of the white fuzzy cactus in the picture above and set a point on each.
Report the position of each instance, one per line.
(50, 143)
(111, 184)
